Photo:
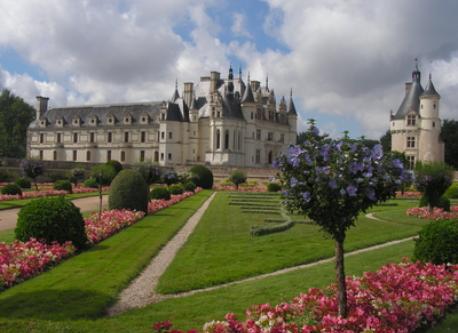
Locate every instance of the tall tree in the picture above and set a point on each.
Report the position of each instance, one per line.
(15, 117)
(449, 135)
(385, 141)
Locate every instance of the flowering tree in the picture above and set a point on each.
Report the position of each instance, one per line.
(333, 181)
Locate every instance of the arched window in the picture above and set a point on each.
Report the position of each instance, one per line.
(226, 139)
(54, 155)
(218, 139)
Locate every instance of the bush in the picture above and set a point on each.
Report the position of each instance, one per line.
(63, 185)
(129, 191)
(5, 176)
(11, 189)
(438, 242)
(176, 189)
(271, 229)
(443, 203)
(433, 179)
(32, 169)
(150, 173)
(189, 186)
(51, 220)
(90, 182)
(158, 193)
(24, 182)
(170, 177)
(452, 191)
(117, 166)
(237, 177)
(201, 176)
(103, 174)
(273, 187)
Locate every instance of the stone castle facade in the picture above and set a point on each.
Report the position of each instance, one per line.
(218, 121)
(416, 126)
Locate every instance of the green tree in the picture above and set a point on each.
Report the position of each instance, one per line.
(237, 177)
(103, 174)
(449, 135)
(15, 117)
(385, 141)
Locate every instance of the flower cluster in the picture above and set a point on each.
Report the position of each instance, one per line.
(408, 195)
(158, 204)
(22, 260)
(396, 298)
(436, 214)
(110, 222)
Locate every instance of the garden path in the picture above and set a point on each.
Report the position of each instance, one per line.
(8, 217)
(141, 291)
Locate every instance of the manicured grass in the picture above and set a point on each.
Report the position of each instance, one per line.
(7, 236)
(221, 248)
(85, 285)
(20, 203)
(448, 325)
(195, 310)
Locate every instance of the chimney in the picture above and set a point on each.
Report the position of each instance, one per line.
(41, 106)
(187, 93)
(255, 85)
(214, 78)
(408, 86)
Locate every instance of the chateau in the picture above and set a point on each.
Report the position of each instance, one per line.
(416, 126)
(218, 121)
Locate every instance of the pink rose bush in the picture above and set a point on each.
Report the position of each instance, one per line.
(436, 214)
(22, 260)
(397, 298)
(110, 222)
(158, 204)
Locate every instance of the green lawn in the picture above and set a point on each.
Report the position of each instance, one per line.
(85, 285)
(448, 325)
(20, 203)
(7, 236)
(195, 310)
(221, 248)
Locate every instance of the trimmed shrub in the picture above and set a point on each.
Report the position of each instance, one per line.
(63, 185)
(237, 177)
(11, 189)
(117, 166)
(129, 191)
(32, 169)
(24, 182)
(51, 220)
(176, 189)
(273, 187)
(201, 176)
(432, 180)
(90, 182)
(77, 175)
(438, 242)
(158, 193)
(452, 191)
(170, 177)
(443, 203)
(271, 229)
(103, 174)
(189, 186)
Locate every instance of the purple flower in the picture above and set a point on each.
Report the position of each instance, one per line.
(324, 151)
(293, 182)
(355, 167)
(306, 196)
(377, 152)
(351, 190)
(323, 170)
(368, 173)
(370, 193)
(276, 164)
(315, 131)
(339, 145)
(332, 184)
(397, 163)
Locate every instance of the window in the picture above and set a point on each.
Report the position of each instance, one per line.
(252, 115)
(170, 135)
(75, 137)
(158, 136)
(75, 155)
(218, 114)
(123, 156)
(88, 155)
(270, 136)
(411, 161)
(93, 121)
(226, 140)
(434, 106)
(42, 138)
(143, 119)
(142, 155)
(258, 134)
(434, 124)
(162, 116)
(239, 145)
(54, 155)
(258, 156)
(421, 106)
(92, 137)
(143, 136)
(218, 139)
(410, 142)
(108, 155)
(110, 120)
(59, 138)
(109, 137)
(282, 138)
(162, 156)
(156, 156)
(162, 135)
(41, 154)
(169, 156)
(411, 120)
(126, 136)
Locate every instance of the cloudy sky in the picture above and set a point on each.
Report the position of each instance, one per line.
(346, 61)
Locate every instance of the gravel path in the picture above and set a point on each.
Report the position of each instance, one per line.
(141, 291)
(8, 217)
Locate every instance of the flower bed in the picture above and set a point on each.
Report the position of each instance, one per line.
(22, 260)
(408, 195)
(436, 214)
(48, 193)
(158, 204)
(245, 188)
(396, 298)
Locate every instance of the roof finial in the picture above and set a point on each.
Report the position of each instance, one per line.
(176, 84)
(267, 81)
(291, 93)
(416, 63)
(240, 72)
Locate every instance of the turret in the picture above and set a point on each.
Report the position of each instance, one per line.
(292, 114)
(248, 103)
(230, 81)
(282, 105)
(429, 101)
(41, 106)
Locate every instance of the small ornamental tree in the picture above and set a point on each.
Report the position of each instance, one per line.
(237, 177)
(32, 169)
(77, 175)
(333, 181)
(432, 180)
(102, 174)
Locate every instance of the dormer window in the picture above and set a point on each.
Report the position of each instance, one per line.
(110, 120)
(43, 123)
(93, 121)
(144, 119)
(127, 119)
(59, 122)
(411, 120)
(76, 122)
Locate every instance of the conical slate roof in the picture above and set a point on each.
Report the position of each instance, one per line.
(248, 95)
(411, 101)
(430, 91)
(291, 107)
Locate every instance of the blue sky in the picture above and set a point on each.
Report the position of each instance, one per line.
(346, 61)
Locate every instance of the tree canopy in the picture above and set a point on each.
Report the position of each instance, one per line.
(449, 135)
(15, 117)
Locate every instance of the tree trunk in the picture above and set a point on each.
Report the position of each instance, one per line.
(340, 275)
(36, 185)
(100, 202)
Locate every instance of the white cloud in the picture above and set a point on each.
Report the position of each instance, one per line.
(239, 25)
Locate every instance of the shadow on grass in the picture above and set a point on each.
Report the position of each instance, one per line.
(55, 304)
